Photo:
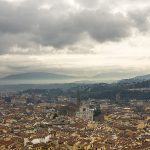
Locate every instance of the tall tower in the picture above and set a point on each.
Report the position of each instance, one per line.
(78, 98)
(118, 98)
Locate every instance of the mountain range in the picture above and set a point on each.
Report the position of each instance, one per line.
(45, 77)
(36, 75)
(36, 78)
(136, 79)
(43, 80)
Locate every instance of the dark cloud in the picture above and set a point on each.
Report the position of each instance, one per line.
(104, 26)
(28, 26)
(15, 19)
(140, 18)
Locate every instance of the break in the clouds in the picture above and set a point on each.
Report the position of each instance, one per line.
(110, 31)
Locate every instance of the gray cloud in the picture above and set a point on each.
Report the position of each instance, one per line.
(104, 26)
(140, 19)
(28, 26)
(88, 3)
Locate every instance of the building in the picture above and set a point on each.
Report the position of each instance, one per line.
(85, 112)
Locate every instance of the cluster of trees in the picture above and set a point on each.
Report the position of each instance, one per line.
(133, 90)
(100, 91)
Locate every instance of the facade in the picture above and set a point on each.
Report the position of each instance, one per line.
(85, 112)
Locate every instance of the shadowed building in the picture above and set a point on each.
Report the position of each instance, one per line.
(88, 112)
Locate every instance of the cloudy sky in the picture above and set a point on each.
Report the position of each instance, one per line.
(78, 37)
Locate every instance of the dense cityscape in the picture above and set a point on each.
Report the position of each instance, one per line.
(74, 74)
(66, 123)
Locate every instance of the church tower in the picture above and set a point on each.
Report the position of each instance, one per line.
(78, 98)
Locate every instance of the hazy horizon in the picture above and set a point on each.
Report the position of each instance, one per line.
(75, 37)
(50, 78)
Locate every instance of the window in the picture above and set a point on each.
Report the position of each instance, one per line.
(84, 109)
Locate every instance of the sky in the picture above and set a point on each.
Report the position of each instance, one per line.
(75, 37)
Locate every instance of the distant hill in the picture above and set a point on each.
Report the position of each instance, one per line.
(136, 79)
(37, 75)
(110, 77)
(132, 90)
